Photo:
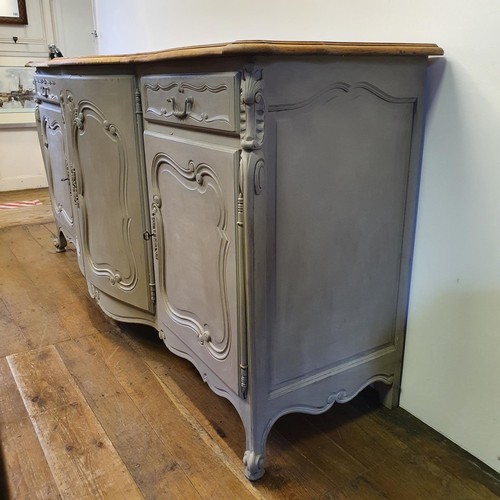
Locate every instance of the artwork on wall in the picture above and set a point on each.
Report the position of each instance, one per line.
(13, 12)
(17, 95)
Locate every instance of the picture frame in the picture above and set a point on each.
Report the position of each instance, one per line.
(17, 96)
(13, 12)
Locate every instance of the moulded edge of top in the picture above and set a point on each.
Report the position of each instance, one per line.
(255, 47)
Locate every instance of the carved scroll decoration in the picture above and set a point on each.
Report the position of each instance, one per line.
(200, 178)
(54, 127)
(339, 89)
(83, 115)
(94, 293)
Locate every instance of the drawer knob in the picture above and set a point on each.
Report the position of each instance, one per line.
(181, 113)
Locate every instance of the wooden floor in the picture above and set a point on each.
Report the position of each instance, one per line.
(38, 214)
(94, 409)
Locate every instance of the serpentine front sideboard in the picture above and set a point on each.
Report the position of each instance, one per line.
(254, 201)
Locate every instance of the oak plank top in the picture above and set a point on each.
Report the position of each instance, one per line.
(255, 47)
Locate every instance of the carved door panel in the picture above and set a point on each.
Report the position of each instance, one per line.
(53, 137)
(111, 186)
(193, 204)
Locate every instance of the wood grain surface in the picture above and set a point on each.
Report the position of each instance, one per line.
(38, 214)
(256, 47)
(95, 409)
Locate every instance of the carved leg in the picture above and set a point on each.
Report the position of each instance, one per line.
(254, 465)
(254, 456)
(389, 394)
(60, 242)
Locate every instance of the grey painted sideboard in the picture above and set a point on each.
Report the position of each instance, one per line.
(255, 202)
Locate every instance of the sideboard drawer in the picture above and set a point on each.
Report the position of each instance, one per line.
(48, 87)
(207, 101)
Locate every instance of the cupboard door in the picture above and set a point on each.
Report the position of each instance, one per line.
(193, 204)
(53, 136)
(111, 186)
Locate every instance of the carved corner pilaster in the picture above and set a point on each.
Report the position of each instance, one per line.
(252, 109)
(250, 183)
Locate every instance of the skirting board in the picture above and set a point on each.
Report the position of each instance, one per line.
(23, 182)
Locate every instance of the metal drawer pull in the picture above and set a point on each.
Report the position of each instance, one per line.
(187, 107)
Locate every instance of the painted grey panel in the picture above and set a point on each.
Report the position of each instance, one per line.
(193, 197)
(111, 190)
(53, 136)
(341, 177)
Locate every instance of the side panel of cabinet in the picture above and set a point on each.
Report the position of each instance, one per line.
(53, 141)
(193, 200)
(111, 186)
(341, 200)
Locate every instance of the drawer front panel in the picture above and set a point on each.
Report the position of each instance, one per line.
(48, 87)
(206, 101)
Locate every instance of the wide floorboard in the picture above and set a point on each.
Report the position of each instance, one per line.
(90, 408)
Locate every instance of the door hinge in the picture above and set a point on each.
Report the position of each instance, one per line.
(152, 292)
(155, 207)
(138, 102)
(240, 210)
(243, 381)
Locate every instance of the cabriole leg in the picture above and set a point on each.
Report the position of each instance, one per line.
(254, 456)
(60, 242)
(389, 394)
(254, 465)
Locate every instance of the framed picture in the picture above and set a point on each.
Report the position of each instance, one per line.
(13, 12)
(17, 96)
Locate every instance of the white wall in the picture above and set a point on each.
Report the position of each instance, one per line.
(452, 361)
(73, 25)
(19, 147)
(32, 38)
(68, 24)
(21, 165)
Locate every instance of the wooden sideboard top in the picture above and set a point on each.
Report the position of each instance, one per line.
(255, 47)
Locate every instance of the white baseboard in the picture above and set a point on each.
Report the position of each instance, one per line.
(23, 182)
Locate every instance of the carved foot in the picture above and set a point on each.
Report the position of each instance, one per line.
(254, 465)
(388, 394)
(60, 243)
